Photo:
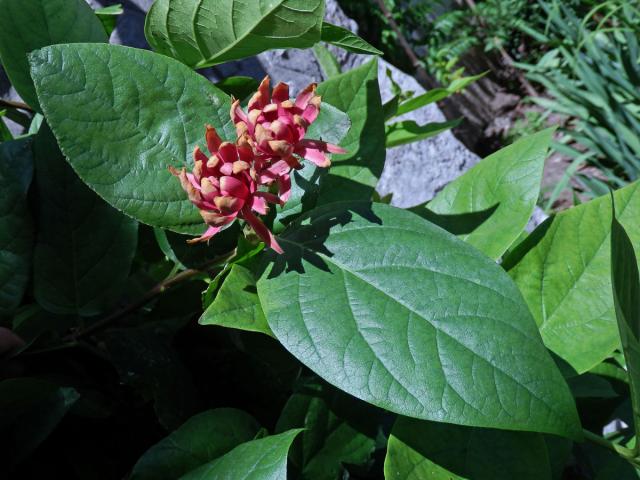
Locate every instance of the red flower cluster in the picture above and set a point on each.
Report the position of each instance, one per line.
(241, 178)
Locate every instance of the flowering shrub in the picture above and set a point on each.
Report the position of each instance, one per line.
(226, 185)
(364, 341)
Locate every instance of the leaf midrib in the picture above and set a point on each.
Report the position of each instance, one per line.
(239, 39)
(547, 320)
(541, 401)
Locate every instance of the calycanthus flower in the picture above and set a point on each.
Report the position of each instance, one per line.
(275, 126)
(241, 179)
(223, 187)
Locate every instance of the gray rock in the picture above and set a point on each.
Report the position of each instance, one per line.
(413, 173)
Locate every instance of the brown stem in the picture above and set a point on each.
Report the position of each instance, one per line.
(18, 105)
(146, 298)
(132, 307)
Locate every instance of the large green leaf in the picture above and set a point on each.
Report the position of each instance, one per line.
(237, 304)
(563, 270)
(84, 247)
(26, 25)
(202, 438)
(401, 314)
(30, 410)
(327, 61)
(16, 159)
(605, 464)
(201, 33)
(16, 229)
(419, 450)
(263, 459)
(122, 116)
(347, 40)
(507, 183)
(626, 299)
(335, 433)
(354, 175)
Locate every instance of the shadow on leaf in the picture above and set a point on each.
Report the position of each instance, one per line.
(458, 224)
(305, 239)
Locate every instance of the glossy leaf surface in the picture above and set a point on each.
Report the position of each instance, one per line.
(347, 40)
(209, 32)
(202, 438)
(418, 322)
(122, 116)
(26, 25)
(237, 304)
(84, 247)
(506, 185)
(626, 299)
(420, 450)
(16, 226)
(354, 175)
(564, 272)
(338, 431)
(262, 459)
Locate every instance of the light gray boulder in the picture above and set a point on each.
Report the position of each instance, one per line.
(413, 173)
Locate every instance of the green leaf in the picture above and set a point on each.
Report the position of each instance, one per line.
(354, 175)
(122, 116)
(109, 17)
(604, 464)
(238, 87)
(16, 160)
(435, 95)
(419, 322)
(5, 133)
(609, 370)
(408, 131)
(331, 126)
(202, 438)
(16, 228)
(559, 452)
(30, 410)
(208, 32)
(419, 450)
(625, 281)
(263, 459)
(33, 323)
(589, 385)
(390, 108)
(306, 185)
(201, 255)
(347, 40)
(331, 436)
(237, 304)
(146, 360)
(507, 183)
(328, 62)
(27, 25)
(563, 270)
(84, 247)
